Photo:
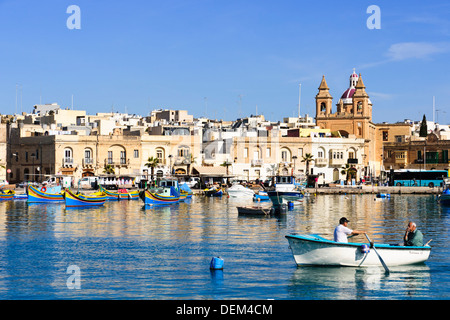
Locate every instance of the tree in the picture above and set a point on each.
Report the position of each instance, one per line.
(152, 163)
(108, 169)
(423, 127)
(307, 158)
(348, 171)
(226, 164)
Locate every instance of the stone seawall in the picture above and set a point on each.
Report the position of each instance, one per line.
(375, 190)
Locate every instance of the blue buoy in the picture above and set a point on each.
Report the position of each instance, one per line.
(216, 263)
(290, 205)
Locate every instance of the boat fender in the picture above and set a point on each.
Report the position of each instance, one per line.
(365, 248)
(43, 189)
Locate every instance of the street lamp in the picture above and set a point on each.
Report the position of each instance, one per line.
(295, 158)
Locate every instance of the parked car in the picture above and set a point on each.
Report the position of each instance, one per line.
(25, 184)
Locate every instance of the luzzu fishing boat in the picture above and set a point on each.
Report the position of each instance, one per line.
(317, 251)
(6, 195)
(444, 197)
(80, 200)
(121, 194)
(159, 196)
(44, 194)
(167, 192)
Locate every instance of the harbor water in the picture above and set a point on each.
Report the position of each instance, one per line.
(124, 250)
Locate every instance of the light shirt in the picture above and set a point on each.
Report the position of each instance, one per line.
(341, 232)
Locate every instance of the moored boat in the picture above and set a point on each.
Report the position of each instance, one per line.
(213, 192)
(6, 195)
(80, 200)
(261, 196)
(121, 194)
(444, 197)
(316, 250)
(239, 191)
(159, 197)
(45, 194)
(255, 210)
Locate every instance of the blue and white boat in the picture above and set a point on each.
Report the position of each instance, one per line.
(444, 197)
(261, 196)
(314, 250)
(286, 190)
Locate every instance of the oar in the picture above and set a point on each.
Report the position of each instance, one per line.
(381, 259)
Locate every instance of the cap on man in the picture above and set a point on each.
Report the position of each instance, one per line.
(341, 232)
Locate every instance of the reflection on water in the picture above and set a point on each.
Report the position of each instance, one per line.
(127, 250)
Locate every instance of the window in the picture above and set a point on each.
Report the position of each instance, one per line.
(110, 157)
(320, 154)
(245, 152)
(159, 155)
(183, 152)
(268, 152)
(136, 154)
(123, 157)
(351, 155)
(385, 136)
(284, 155)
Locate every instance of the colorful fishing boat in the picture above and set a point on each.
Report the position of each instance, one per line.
(318, 251)
(80, 200)
(213, 192)
(6, 195)
(121, 194)
(45, 194)
(184, 188)
(160, 196)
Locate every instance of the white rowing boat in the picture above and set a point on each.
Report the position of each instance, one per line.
(315, 250)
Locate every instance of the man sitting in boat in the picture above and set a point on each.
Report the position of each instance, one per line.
(413, 236)
(341, 232)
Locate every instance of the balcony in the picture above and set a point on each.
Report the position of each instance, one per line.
(257, 162)
(67, 162)
(337, 161)
(320, 162)
(88, 162)
(122, 162)
(352, 161)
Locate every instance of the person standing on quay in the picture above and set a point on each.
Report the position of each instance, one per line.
(413, 236)
(341, 232)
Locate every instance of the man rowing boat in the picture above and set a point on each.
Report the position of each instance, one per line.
(413, 236)
(341, 232)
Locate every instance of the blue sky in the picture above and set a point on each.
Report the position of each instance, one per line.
(224, 59)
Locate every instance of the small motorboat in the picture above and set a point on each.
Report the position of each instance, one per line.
(80, 200)
(45, 194)
(239, 191)
(383, 195)
(444, 197)
(261, 196)
(255, 210)
(316, 250)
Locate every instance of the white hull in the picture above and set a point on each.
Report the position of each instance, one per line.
(315, 250)
(240, 191)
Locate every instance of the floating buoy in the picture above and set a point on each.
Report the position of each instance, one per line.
(290, 205)
(216, 263)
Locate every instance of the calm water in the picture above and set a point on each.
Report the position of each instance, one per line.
(124, 251)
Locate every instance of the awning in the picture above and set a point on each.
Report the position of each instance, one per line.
(210, 171)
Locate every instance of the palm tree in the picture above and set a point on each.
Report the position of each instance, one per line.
(307, 158)
(152, 162)
(226, 164)
(108, 169)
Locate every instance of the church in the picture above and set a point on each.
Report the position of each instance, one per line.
(352, 119)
